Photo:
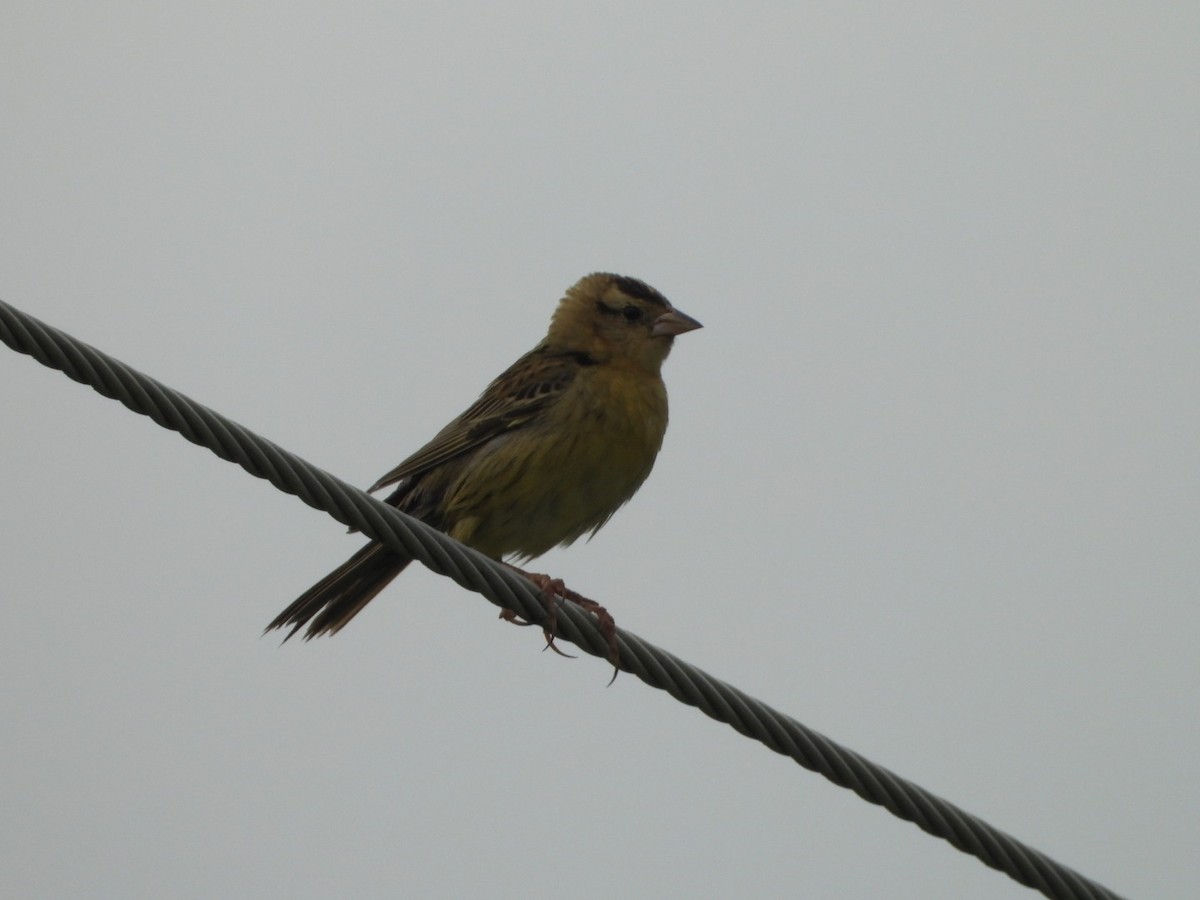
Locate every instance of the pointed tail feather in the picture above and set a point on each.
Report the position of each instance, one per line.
(339, 596)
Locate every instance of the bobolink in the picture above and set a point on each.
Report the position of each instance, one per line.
(549, 451)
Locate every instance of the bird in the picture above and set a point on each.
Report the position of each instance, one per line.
(551, 449)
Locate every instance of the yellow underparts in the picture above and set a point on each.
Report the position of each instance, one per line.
(565, 474)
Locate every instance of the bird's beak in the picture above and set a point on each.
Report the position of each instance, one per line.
(673, 322)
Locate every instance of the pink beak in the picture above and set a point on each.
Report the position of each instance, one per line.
(673, 322)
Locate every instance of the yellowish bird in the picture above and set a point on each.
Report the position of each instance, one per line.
(549, 451)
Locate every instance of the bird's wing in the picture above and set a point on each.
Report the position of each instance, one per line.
(528, 386)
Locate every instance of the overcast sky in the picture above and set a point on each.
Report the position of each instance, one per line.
(931, 486)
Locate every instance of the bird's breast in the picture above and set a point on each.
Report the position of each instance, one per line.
(567, 471)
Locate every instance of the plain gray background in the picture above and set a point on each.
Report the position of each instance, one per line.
(932, 482)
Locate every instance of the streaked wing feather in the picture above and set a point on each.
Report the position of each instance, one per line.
(529, 385)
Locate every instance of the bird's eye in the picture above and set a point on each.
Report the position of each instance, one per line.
(632, 313)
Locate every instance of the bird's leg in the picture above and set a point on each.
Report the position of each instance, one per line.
(551, 590)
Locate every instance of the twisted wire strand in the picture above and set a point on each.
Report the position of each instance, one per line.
(503, 587)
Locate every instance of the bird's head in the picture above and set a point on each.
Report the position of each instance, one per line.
(611, 317)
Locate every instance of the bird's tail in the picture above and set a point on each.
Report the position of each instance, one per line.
(338, 597)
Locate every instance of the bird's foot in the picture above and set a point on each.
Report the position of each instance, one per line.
(550, 600)
(551, 590)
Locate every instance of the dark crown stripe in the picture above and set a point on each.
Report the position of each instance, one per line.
(639, 290)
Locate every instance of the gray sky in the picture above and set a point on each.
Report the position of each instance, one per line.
(931, 486)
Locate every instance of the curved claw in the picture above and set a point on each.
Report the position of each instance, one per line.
(550, 645)
(512, 618)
